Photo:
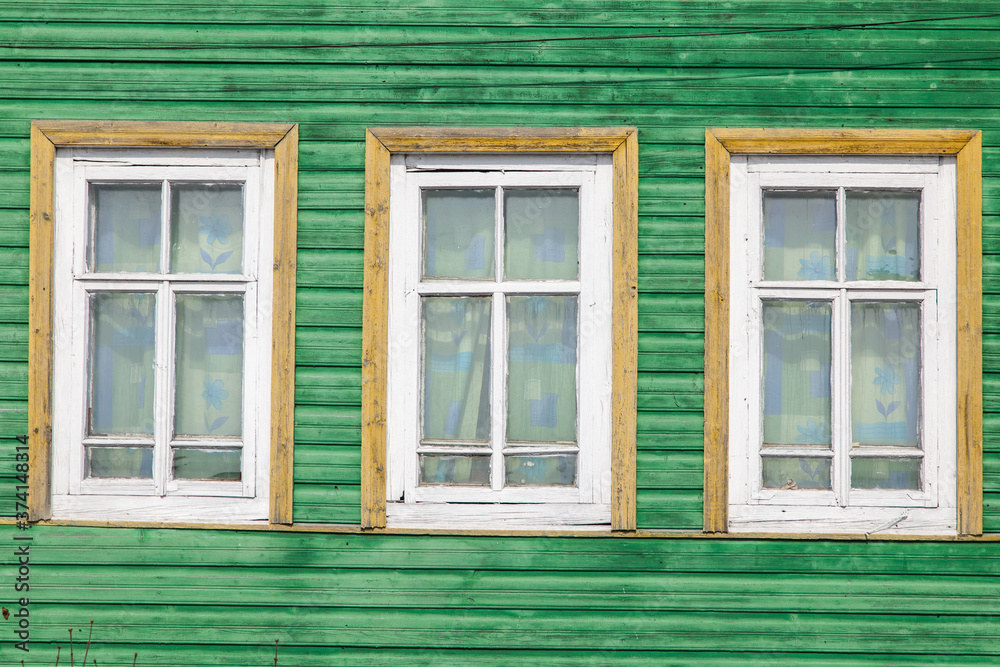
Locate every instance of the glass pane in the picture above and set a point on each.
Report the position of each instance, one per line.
(209, 399)
(121, 364)
(206, 227)
(125, 225)
(456, 368)
(542, 233)
(883, 235)
(214, 464)
(130, 462)
(453, 469)
(795, 473)
(541, 375)
(796, 367)
(459, 233)
(548, 470)
(799, 235)
(869, 473)
(885, 374)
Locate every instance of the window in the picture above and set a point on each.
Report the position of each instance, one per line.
(162, 336)
(844, 388)
(503, 301)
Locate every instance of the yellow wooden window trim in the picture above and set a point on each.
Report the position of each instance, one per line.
(622, 144)
(720, 144)
(46, 137)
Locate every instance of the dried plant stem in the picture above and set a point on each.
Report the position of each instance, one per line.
(275, 653)
(87, 652)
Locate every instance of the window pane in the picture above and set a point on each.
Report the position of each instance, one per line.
(213, 464)
(883, 235)
(452, 469)
(459, 233)
(799, 235)
(121, 364)
(792, 473)
(541, 385)
(206, 228)
(885, 374)
(869, 473)
(456, 368)
(125, 227)
(120, 462)
(209, 391)
(542, 233)
(559, 470)
(796, 367)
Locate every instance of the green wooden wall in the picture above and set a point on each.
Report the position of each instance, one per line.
(670, 68)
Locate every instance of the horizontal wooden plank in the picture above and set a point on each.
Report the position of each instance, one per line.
(480, 628)
(267, 587)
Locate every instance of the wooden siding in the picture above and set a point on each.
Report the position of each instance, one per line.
(671, 69)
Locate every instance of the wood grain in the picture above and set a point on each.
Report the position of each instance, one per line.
(970, 338)
(624, 335)
(163, 133)
(42, 221)
(843, 141)
(716, 475)
(286, 165)
(501, 140)
(375, 334)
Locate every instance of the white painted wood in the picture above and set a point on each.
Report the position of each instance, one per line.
(928, 510)
(159, 498)
(541, 517)
(485, 162)
(592, 177)
(819, 164)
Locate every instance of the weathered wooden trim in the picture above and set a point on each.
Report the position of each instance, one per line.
(286, 189)
(43, 155)
(624, 335)
(163, 133)
(375, 334)
(501, 140)
(46, 136)
(843, 141)
(715, 507)
(970, 338)
(967, 145)
(622, 144)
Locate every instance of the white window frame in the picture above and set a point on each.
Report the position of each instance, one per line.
(932, 509)
(160, 499)
(587, 506)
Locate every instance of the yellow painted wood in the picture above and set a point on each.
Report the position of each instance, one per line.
(286, 165)
(163, 133)
(502, 140)
(967, 145)
(375, 317)
(843, 141)
(970, 338)
(46, 136)
(43, 155)
(622, 143)
(716, 474)
(624, 349)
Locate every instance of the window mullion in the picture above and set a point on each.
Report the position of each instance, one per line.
(164, 380)
(165, 240)
(841, 393)
(498, 384)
